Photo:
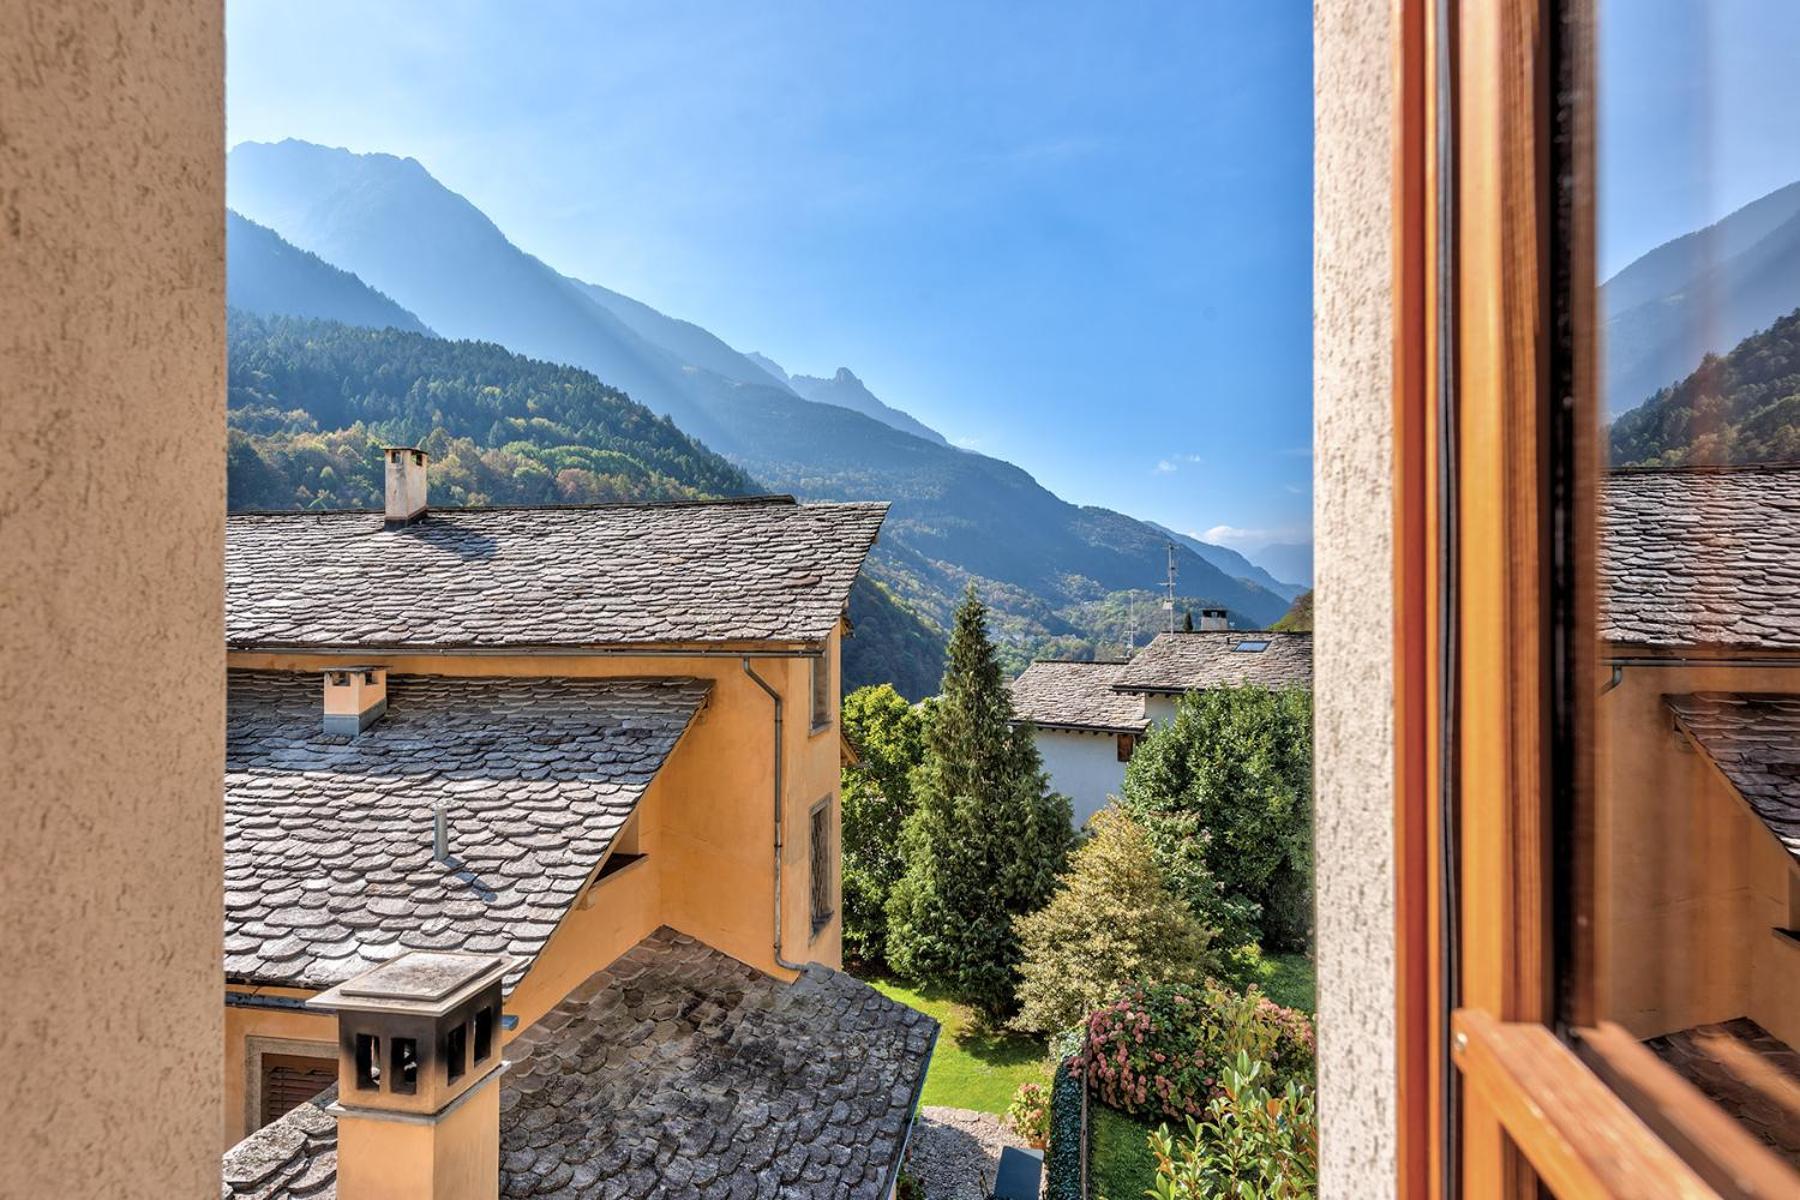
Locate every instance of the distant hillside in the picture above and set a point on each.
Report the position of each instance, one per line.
(1299, 617)
(1740, 408)
(270, 277)
(1701, 293)
(845, 390)
(1286, 560)
(958, 517)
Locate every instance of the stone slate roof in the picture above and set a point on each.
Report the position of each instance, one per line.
(731, 571)
(1755, 742)
(1077, 695)
(328, 839)
(675, 1072)
(291, 1158)
(1704, 557)
(1189, 662)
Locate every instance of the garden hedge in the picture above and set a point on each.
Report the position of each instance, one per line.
(1068, 1137)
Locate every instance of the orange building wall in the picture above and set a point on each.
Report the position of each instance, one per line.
(1690, 883)
(705, 826)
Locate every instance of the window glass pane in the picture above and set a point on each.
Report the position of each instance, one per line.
(1695, 861)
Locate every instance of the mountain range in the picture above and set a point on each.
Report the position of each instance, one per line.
(1046, 566)
(1700, 294)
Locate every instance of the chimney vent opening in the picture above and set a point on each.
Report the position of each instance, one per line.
(355, 698)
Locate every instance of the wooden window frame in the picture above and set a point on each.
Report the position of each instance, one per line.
(1503, 1082)
(256, 1045)
(822, 856)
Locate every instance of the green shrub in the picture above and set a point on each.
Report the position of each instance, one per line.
(1224, 792)
(1029, 1113)
(1161, 1050)
(1112, 922)
(1252, 1145)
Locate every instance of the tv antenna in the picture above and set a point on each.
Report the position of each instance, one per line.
(1169, 599)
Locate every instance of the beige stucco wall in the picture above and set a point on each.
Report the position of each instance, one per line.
(112, 502)
(1690, 885)
(1353, 615)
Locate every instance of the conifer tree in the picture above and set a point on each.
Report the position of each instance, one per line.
(984, 842)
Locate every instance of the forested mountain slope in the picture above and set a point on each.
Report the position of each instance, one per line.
(1743, 407)
(271, 277)
(1699, 294)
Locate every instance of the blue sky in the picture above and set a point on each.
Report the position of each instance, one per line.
(1073, 235)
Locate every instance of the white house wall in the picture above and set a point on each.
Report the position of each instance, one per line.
(1085, 767)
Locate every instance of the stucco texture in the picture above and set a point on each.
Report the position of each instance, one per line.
(1353, 622)
(112, 503)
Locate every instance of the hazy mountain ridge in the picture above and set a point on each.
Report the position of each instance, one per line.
(1702, 293)
(271, 277)
(845, 390)
(958, 517)
(1232, 563)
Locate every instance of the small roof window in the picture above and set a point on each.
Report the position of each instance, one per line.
(1251, 647)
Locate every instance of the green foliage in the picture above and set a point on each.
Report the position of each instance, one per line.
(1742, 408)
(1062, 1161)
(1160, 1050)
(1029, 1113)
(984, 842)
(889, 736)
(1298, 618)
(1253, 1145)
(1224, 792)
(311, 402)
(1112, 922)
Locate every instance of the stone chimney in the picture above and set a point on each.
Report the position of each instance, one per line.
(405, 484)
(355, 697)
(418, 1107)
(1214, 619)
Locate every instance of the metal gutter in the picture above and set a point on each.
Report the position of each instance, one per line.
(780, 783)
(1619, 664)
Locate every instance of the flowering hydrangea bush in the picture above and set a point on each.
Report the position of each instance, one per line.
(1160, 1050)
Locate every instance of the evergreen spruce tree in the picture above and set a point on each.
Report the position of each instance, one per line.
(984, 843)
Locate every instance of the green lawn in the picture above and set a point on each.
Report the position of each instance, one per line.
(1287, 979)
(969, 1068)
(1119, 1163)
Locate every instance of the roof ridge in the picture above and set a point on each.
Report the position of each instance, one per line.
(1084, 662)
(761, 499)
(1787, 464)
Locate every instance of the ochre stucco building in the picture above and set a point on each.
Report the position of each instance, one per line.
(591, 753)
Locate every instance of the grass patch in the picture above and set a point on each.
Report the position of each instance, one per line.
(971, 1068)
(1287, 979)
(1119, 1163)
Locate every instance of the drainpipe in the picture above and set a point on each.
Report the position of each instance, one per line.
(779, 783)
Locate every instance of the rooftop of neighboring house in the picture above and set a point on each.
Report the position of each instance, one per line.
(1192, 662)
(675, 1071)
(762, 569)
(1702, 557)
(1754, 741)
(1057, 694)
(330, 863)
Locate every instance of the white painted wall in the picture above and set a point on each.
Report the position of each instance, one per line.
(1085, 767)
(1160, 709)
